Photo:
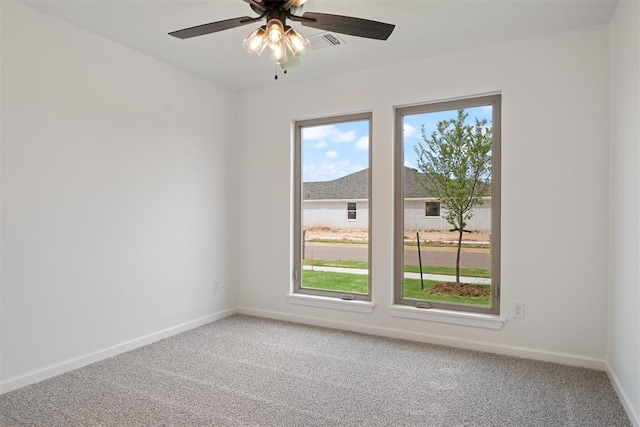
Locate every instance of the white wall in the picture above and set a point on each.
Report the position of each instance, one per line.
(414, 217)
(333, 213)
(116, 198)
(555, 148)
(623, 353)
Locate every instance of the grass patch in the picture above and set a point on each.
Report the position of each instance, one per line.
(357, 283)
(350, 241)
(449, 271)
(330, 281)
(412, 290)
(336, 263)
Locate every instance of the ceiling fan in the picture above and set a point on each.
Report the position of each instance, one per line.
(287, 43)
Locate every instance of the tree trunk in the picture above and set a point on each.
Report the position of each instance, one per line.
(460, 231)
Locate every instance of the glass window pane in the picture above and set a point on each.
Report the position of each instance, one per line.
(447, 161)
(432, 209)
(334, 169)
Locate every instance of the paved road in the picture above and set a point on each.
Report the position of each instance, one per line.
(437, 257)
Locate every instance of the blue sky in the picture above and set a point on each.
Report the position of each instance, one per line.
(413, 127)
(333, 151)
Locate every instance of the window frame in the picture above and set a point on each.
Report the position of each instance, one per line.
(494, 101)
(298, 201)
(426, 209)
(354, 210)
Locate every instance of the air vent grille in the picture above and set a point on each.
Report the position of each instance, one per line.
(324, 40)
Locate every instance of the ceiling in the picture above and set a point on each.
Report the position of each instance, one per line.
(423, 28)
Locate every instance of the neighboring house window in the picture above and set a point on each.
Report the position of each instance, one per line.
(351, 212)
(331, 167)
(432, 209)
(448, 152)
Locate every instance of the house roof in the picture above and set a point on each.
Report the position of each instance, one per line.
(356, 186)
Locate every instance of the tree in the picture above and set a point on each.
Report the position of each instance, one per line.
(455, 161)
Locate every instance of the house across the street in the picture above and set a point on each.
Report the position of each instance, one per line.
(344, 203)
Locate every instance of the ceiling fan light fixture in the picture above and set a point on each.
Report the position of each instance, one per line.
(283, 41)
(287, 44)
(256, 41)
(296, 41)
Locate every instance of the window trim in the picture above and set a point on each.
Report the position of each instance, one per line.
(426, 209)
(298, 199)
(354, 210)
(398, 263)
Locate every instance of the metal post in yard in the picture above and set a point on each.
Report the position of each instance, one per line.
(420, 259)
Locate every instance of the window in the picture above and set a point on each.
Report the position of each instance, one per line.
(431, 208)
(449, 154)
(351, 212)
(331, 171)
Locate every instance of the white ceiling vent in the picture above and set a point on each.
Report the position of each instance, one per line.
(324, 40)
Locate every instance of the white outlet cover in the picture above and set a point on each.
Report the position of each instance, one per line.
(518, 310)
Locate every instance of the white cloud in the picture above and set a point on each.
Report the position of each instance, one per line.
(330, 170)
(316, 133)
(320, 144)
(338, 136)
(331, 154)
(408, 164)
(362, 144)
(409, 131)
(328, 132)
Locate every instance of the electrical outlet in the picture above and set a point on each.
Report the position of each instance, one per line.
(518, 310)
(216, 286)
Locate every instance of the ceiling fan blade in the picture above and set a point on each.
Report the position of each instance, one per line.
(347, 25)
(256, 5)
(213, 27)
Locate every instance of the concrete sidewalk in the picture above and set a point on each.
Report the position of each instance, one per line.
(438, 277)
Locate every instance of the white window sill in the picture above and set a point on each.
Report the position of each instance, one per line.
(332, 303)
(476, 320)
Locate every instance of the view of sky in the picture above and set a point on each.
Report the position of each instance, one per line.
(413, 128)
(333, 151)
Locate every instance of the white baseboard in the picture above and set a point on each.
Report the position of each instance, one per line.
(87, 359)
(632, 413)
(522, 352)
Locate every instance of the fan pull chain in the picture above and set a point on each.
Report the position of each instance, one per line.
(275, 77)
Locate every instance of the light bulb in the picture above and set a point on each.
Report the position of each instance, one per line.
(275, 30)
(296, 41)
(278, 51)
(256, 41)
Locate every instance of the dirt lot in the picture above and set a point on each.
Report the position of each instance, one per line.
(425, 235)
